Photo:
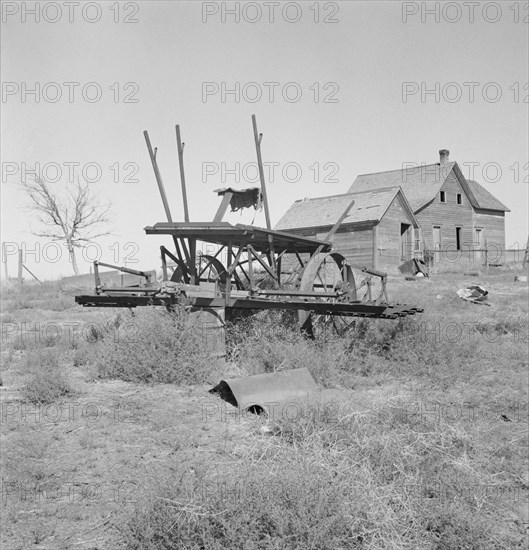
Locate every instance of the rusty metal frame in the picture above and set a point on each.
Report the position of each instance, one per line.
(245, 245)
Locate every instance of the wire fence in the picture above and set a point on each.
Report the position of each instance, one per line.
(487, 256)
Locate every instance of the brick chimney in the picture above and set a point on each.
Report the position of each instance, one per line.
(443, 157)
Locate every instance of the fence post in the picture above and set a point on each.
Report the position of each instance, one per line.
(20, 264)
(5, 268)
(486, 250)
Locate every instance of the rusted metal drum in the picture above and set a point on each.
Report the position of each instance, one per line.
(262, 392)
(211, 326)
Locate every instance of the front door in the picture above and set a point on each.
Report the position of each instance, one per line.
(405, 242)
(478, 244)
(437, 242)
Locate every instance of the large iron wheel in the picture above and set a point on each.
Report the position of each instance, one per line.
(209, 270)
(327, 273)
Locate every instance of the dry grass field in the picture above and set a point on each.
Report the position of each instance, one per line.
(417, 438)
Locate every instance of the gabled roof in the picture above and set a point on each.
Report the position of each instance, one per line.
(369, 206)
(485, 199)
(420, 184)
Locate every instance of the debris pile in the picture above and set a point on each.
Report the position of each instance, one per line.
(414, 267)
(475, 294)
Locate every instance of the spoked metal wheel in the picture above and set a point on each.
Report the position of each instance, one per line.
(209, 270)
(327, 274)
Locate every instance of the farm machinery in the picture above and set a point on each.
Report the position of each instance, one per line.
(251, 268)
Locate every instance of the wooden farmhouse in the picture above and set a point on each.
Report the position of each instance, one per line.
(430, 212)
(380, 220)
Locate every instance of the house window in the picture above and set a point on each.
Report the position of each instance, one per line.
(458, 238)
(437, 237)
(459, 198)
(442, 196)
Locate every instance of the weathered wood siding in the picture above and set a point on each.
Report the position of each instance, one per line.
(388, 247)
(356, 244)
(492, 224)
(447, 216)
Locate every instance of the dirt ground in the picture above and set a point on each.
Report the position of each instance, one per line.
(74, 470)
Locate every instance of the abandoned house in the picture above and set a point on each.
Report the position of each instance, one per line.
(438, 215)
(381, 220)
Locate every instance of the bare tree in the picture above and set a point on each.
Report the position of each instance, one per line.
(74, 219)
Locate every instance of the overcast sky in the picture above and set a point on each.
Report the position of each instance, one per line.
(338, 88)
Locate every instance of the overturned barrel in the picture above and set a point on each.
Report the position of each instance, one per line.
(258, 392)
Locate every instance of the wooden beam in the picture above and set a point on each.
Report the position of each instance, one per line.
(229, 256)
(126, 270)
(235, 262)
(244, 272)
(259, 259)
(158, 176)
(375, 247)
(178, 262)
(223, 207)
(97, 277)
(192, 261)
(164, 263)
(299, 258)
(34, 276)
(250, 269)
(180, 146)
(258, 138)
(336, 226)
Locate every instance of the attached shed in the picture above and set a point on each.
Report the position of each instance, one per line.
(378, 231)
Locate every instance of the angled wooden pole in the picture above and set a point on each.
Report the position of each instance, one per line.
(336, 226)
(158, 176)
(181, 146)
(258, 138)
(34, 276)
(223, 207)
